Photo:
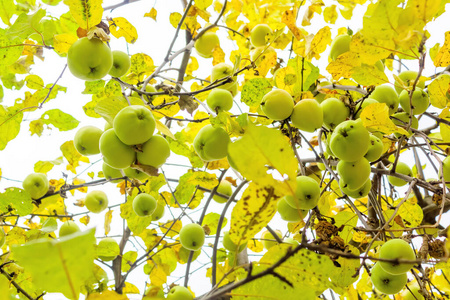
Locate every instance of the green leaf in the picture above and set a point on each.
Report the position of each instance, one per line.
(49, 225)
(188, 182)
(109, 107)
(128, 258)
(7, 9)
(306, 74)
(348, 220)
(25, 25)
(17, 199)
(93, 87)
(9, 53)
(10, 119)
(369, 75)
(34, 82)
(87, 14)
(59, 266)
(59, 119)
(254, 90)
(212, 221)
(47, 165)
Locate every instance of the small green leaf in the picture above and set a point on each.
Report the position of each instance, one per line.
(59, 119)
(34, 82)
(17, 199)
(25, 25)
(93, 87)
(254, 90)
(49, 225)
(212, 221)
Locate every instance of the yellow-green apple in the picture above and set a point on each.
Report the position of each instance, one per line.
(108, 249)
(412, 293)
(401, 168)
(115, 153)
(259, 35)
(385, 282)
(396, 249)
(211, 143)
(144, 205)
(89, 59)
(206, 44)
(149, 89)
(339, 45)
(375, 148)
(121, 64)
(353, 174)
(96, 201)
(229, 245)
(419, 101)
(350, 140)
(277, 104)
(220, 100)
(408, 77)
(288, 213)
(183, 254)
(386, 94)
(224, 188)
(192, 236)
(110, 172)
(179, 293)
(334, 112)
(268, 239)
(306, 195)
(36, 184)
(220, 71)
(86, 140)
(358, 193)
(159, 212)
(68, 227)
(134, 124)
(402, 119)
(307, 115)
(135, 174)
(155, 152)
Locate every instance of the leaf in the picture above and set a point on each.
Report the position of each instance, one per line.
(212, 221)
(34, 82)
(203, 4)
(25, 25)
(161, 127)
(152, 14)
(375, 117)
(7, 10)
(369, 49)
(289, 18)
(319, 43)
(188, 182)
(377, 19)
(254, 90)
(438, 90)
(87, 13)
(106, 295)
(8, 51)
(72, 156)
(17, 199)
(424, 10)
(411, 213)
(128, 258)
(174, 19)
(252, 212)
(107, 249)
(59, 266)
(369, 75)
(137, 224)
(109, 107)
(120, 27)
(306, 74)
(344, 275)
(10, 119)
(47, 165)
(59, 119)
(330, 14)
(108, 218)
(348, 220)
(62, 42)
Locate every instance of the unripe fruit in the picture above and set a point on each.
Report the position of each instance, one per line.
(115, 153)
(159, 212)
(110, 172)
(121, 64)
(155, 152)
(144, 205)
(87, 139)
(225, 189)
(179, 293)
(183, 254)
(306, 195)
(67, 228)
(375, 149)
(386, 94)
(96, 201)
(220, 100)
(408, 77)
(396, 249)
(277, 104)
(353, 174)
(192, 236)
(206, 43)
(401, 168)
(135, 174)
(36, 184)
(419, 101)
(350, 140)
(446, 169)
(340, 44)
(211, 143)
(229, 245)
(385, 282)
(288, 213)
(134, 124)
(268, 240)
(259, 33)
(358, 193)
(258, 54)
(334, 112)
(220, 71)
(307, 115)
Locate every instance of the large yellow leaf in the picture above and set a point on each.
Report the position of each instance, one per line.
(72, 156)
(442, 58)
(120, 27)
(289, 18)
(319, 43)
(438, 90)
(87, 13)
(106, 295)
(369, 49)
(343, 65)
(369, 75)
(375, 117)
(424, 10)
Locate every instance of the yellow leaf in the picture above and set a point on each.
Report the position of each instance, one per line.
(130, 288)
(265, 62)
(359, 237)
(106, 295)
(174, 19)
(286, 78)
(438, 90)
(370, 49)
(411, 213)
(62, 42)
(375, 117)
(164, 227)
(330, 14)
(315, 7)
(289, 18)
(377, 19)
(85, 220)
(0, 174)
(77, 181)
(72, 156)
(192, 65)
(159, 273)
(343, 65)
(369, 75)
(108, 218)
(203, 4)
(120, 27)
(161, 127)
(319, 43)
(424, 10)
(168, 110)
(152, 14)
(218, 55)
(87, 13)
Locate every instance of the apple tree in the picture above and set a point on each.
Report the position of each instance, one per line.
(226, 149)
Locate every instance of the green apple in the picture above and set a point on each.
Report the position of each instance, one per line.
(110, 172)
(206, 44)
(386, 94)
(419, 101)
(89, 59)
(375, 148)
(121, 64)
(361, 105)
(225, 189)
(135, 174)
(134, 124)
(154, 292)
(159, 212)
(277, 104)
(179, 293)
(149, 89)
(402, 119)
(385, 282)
(380, 66)
(86, 140)
(211, 143)
(2, 237)
(291, 241)
(268, 240)
(339, 45)
(358, 193)
(350, 140)
(259, 34)
(96, 201)
(68, 227)
(408, 78)
(183, 255)
(288, 213)
(334, 112)
(144, 205)
(108, 249)
(233, 89)
(396, 249)
(155, 152)
(353, 174)
(413, 293)
(115, 153)
(307, 194)
(220, 71)
(220, 100)
(36, 184)
(192, 236)
(446, 170)
(401, 168)
(307, 115)
(229, 245)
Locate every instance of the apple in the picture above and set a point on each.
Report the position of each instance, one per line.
(211, 143)
(358, 193)
(110, 172)
(353, 174)
(307, 115)
(229, 245)
(2, 237)
(115, 153)
(86, 140)
(155, 152)
(183, 254)
(89, 59)
(350, 140)
(375, 148)
(144, 205)
(108, 245)
(121, 64)
(220, 100)
(334, 112)
(36, 184)
(408, 77)
(259, 34)
(277, 104)
(135, 174)
(192, 236)
(224, 188)
(419, 101)
(402, 119)
(307, 194)
(179, 293)
(446, 169)
(68, 227)
(291, 241)
(96, 201)
(149, 89)
(258, 54)
(386, 94)
(385, 282)
(380, 65)
(288, 213)
(413, 293)
(159, 212)
(268, 240)
(401, 168)
(396, 249)
(339, 45)
(134, 124)
(154, 292)
(206, 44)
(220, 71)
